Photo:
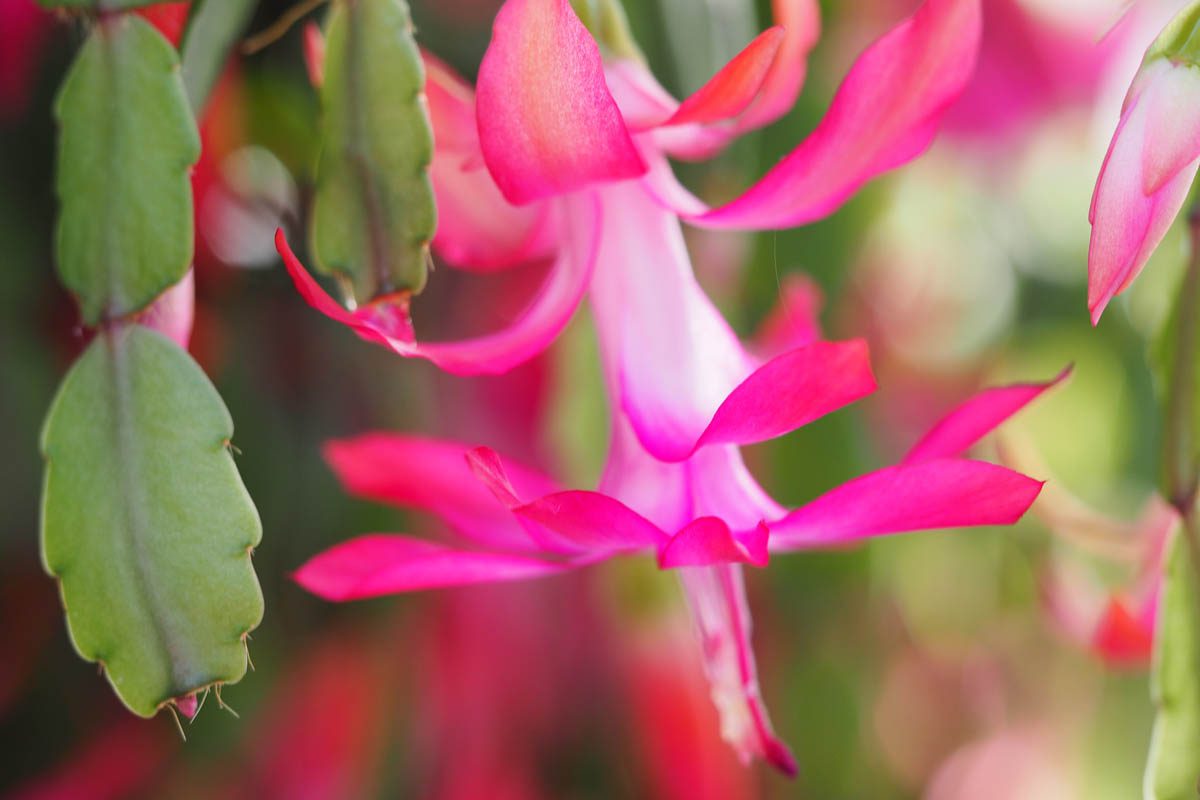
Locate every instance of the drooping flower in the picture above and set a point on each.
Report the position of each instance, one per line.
(563, 153)
(1150, 164)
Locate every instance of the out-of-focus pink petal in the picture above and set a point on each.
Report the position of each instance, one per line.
(735, 86)
(547, 123)
(386, 321)
(314, 54)
(379, 564)
(885, 113)
(478, 229)
(1127, 222)
(1123, 638)
(1173, 120)
(717, 596)
(708, 540)
(786, 393)
(978, 416)
(801, 22)
(944, 493)
(432, 475)
(796, 319)
(173, 312)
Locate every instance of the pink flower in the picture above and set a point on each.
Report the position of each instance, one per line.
(1150, 164)
(563, 154)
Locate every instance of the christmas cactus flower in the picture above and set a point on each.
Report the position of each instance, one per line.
(562, 152)
(1151, 162)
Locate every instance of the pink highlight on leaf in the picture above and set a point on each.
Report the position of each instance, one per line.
(385, 321)
(173, 312)
(943, 493)
(1145, 179)
(380, 564)
(547, 123)
(885, 114)
(978, 416)
(735, 86)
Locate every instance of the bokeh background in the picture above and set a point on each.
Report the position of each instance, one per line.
(941, 665)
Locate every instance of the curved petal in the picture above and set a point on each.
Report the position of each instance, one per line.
(432, 475)
(801, 22)
(717, 597)
(386, 321)
(708, 541)
(954, 433)
(379, 564)
(735, 86)
(885, 113)
(478, 229)
(1141, 188)
(547, 123)
(944, 493)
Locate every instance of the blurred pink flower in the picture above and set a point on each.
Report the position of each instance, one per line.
(1150, 164)
(575, 154)
(24, 30)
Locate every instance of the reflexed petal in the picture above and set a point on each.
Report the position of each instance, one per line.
(708, 541)
(717, 597)
(432, 475)
(885, 113)
(386, 321)
(379, 564)
(801, 22)
(735, 86)
(956, 432)
(547, 123)
(944, 493)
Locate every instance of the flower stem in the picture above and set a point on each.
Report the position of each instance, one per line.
(1179, 451)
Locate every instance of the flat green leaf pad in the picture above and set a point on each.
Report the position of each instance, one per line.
(127, 144)
(145, 521)
(1174, 769)
(374, 213)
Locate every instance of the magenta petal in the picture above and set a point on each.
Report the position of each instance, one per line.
(885, 113)
(386, 321)
(547, 123)
(796, 319)
(1142, 184)
(944, 493)
(735, 86)
(717, 597)
(431, 475)
(379, 564)
(801, 22)
(786, 393)
(975, 418)
(708, 541)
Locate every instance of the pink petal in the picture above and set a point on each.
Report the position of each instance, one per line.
(801, 22)
(477, 229)
(956, 432)
(786, 393)
(379, 564)
(1173, 118)
(386, 321)
(172, 313)
(708, 541)
(717, 597)
(314, 54)
(431, 475)
(1127, 222)
(944, 493)
(796, 319)
(547, 123)
(885, 113)
(735, 86)
(1121, 637)
(585, 521)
